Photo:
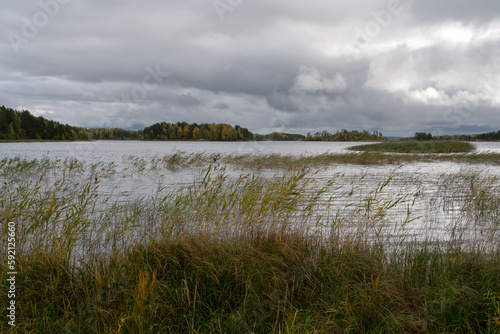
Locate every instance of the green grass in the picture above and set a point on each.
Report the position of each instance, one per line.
(417, 147)
(242, 255)
(262, 283)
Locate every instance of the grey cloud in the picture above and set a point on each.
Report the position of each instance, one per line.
(187, 100)
(282, 102)
(460, 10)
(92, 54)
(221, 106)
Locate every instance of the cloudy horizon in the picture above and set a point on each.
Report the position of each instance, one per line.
(383, 65)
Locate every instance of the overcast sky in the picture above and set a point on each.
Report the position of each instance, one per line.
(274, 65)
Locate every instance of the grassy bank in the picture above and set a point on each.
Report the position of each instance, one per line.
(241, 255)
(261, 283)
(417, 147)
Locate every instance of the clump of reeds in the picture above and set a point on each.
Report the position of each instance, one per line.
(177, 160)
(417, 147)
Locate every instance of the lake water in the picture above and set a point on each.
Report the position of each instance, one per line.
(438, 201)
(115, 150)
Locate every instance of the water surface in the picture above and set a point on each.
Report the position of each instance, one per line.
(436, 201)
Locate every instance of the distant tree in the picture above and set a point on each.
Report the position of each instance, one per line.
(422, 136)
(233, 134)
(225, 133)
(186, 133)
(344, 135)
(196, 133)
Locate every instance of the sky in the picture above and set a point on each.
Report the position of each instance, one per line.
(394, 66)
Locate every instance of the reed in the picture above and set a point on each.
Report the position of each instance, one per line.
(244, 254)
(256, 161)
(417, 147)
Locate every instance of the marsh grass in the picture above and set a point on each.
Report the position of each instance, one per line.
(178, 160)
(245, 254)
(417, 147)
(259, 161)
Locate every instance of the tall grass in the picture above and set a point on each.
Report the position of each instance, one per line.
(256, 161)
(417, 147)
(245, 254)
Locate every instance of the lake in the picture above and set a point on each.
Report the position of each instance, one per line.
(115, 150)
(438, 192)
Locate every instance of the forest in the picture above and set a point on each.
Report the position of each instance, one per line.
(488, 136)
(22, 125)
(186, 131)
(279, 136)
(344, 135)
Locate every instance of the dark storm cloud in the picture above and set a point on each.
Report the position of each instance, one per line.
(388, 65)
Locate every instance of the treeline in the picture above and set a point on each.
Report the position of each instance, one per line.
(489, 136)
(344, 135)
(114, 134)
(19, 125)
(186, 131)
(278, 136)
(422, 136)
(23, 125)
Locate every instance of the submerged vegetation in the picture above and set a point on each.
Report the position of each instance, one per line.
(259, 161)
(417, 147)
(245, 253)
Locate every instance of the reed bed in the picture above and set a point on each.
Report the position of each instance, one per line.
(417, 147)
(245, 254)
(258, 161)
